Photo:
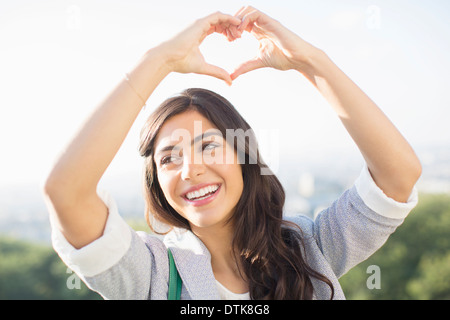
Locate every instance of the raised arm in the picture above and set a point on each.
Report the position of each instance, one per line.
(71, 187)
(391, 161)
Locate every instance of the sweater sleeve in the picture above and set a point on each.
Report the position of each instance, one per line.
(119, 264)
(358, 223)
(101, 254)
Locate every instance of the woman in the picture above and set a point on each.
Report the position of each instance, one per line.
(229, 239)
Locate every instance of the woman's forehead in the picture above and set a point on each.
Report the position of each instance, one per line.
(186, 120)
(185, 126)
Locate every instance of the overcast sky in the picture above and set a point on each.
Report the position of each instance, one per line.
(59, 59)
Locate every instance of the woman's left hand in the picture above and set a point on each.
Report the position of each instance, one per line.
(279, 47)
(182, 53)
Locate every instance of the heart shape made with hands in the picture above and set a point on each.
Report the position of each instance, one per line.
(229, 55)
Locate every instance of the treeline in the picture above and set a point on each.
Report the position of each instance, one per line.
(32, 271)
(415, 261)
(413, 264)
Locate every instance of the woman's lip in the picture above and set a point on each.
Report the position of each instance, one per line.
(205, 201)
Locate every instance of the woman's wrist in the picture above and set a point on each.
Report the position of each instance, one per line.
(158, 56)
(148, 72)
(314, 64)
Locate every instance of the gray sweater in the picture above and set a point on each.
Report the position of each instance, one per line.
(124, 264)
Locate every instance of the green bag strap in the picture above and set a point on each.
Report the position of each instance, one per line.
(175, 281)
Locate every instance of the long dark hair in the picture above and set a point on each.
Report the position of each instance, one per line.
(268, 247)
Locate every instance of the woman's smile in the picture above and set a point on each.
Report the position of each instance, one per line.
(202, 195)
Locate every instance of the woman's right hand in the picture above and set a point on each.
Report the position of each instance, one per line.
(279, 47)
(183, 54)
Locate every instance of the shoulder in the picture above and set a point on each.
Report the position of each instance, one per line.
(305, 223)
(154, 243)
(184, 239)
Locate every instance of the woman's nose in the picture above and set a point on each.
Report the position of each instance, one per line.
(192, 167)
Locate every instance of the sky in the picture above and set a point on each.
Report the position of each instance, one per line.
(59, 59)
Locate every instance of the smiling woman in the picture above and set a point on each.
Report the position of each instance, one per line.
(214, 194)
(228, 236)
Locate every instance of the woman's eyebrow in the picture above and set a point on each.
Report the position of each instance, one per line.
(193, 141)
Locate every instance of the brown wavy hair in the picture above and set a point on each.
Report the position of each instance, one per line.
(269, 248)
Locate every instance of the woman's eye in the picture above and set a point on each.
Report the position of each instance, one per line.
(167, 160)
(210, 146)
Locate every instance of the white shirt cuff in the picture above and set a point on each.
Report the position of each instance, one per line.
(102, 253)
(379, 202)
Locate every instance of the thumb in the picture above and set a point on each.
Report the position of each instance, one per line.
(214, 71)
(247, 67)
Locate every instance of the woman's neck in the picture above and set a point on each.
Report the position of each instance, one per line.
(225, 267)
(218, 240)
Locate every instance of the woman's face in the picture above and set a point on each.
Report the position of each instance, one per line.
(197, 170)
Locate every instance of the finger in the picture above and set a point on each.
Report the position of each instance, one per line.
(243, 11)
(222, 18)
(211, 30)
(221, 23)
(247, 67)
(229, 36)
(247, 21)
(214, 71)
(239, 14)
(225, 31)
(235, 32)
(219, 29)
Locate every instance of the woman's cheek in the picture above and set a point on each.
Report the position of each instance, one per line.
(167, 185)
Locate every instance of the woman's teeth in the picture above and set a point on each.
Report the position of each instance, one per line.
(202, 193)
